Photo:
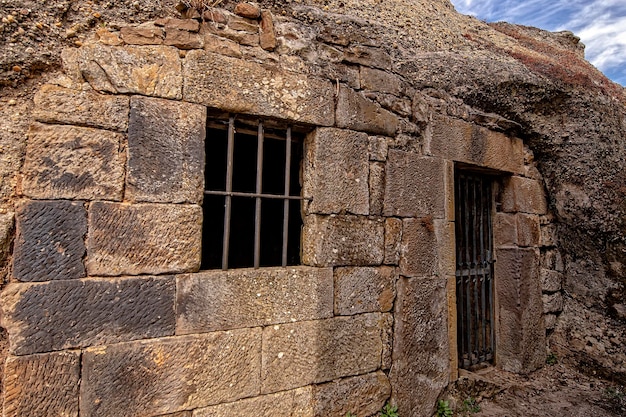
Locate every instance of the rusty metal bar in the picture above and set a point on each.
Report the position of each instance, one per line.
(229, 189)
(254, 195)
(259, 185)
(286, 196)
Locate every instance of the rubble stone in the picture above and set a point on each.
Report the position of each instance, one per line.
(248, 10)
(142, 35)
(267, 34)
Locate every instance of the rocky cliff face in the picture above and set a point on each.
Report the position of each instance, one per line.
(510, 78)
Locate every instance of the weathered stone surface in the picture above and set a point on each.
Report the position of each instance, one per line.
(73, 163)
(294, 403)
(521, 339)
(387, 334)
(342, 240)
(368, 56)
(548, 235)
(42, 385)
(364, 289)
(360, 395)
(54, 104)
(183, 39)
(168, 375)
(551, 281)
(143, 238)
(421, 361)
(414, 186)
(243, 24)
(452, 327)
(7, 221)
(552, 303)
(356, 112)
(267, 34)
(428, 247)
(464, 142)
(247, 87)
(146, 70)
(380, 81)
(50, 241)
(298, 354)
(377, 188)
(336, 171)
(190, 25)
(142, 35)
(552, 259)
(393, 240)
(222, 300)
(165, 151)
(528, 232)
(378, 148)
(248, 10)
(550, 320)
(222, 46)
(523, 195)
(77, 313)
(105, 37)
(505, 229)
(179, 414)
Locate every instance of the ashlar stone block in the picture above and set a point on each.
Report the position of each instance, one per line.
(393, 241)
(505, 229)
(461, 141)
(76, 313)
(380, 81)
(365, 394)
(528, 232)
(342, 240)
(428, 247)
(415, 185)
(336, 171)
(521, 338)
(137, 239)
(299, 354)
(240, 86)
(54, 104)
(523, 195)
(421, 362)
(50, 241)
(42, 385)
(364, 289)
(161, 376)
(165, 151)
(221, 300)
(68, 162)
(377, 188)
(356, 112)
(146, 70)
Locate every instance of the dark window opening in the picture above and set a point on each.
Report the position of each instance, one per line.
(252, 215)
(474, 269)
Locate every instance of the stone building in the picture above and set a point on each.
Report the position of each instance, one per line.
(252, 213)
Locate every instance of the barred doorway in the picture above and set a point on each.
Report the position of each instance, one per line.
(474, 269)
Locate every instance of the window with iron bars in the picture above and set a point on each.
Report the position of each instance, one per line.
(252, 201)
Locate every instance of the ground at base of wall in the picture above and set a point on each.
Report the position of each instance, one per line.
(555, 390)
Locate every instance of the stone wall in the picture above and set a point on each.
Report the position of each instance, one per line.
(106, 310)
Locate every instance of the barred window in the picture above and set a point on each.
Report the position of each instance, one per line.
(252, 210)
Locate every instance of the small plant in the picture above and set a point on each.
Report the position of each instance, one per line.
(389, 411)
(470, 406)
(443, 409)
(551, 359)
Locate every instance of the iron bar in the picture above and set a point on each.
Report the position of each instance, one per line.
(229, 189)
(259, 186)
(254, 195)
(286, 194)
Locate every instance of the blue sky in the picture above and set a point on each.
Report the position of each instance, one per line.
(601, 24)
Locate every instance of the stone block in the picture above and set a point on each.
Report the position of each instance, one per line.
(42, 385)
(190, 25)
(549, 235)
(460, 141)
(377, 188)
(143, 238)
(428, 247)
(342, 240)
(415, 186)
(380, 81)
(378, 148)
(73, 163)
(183, 39)
(356, 112)
(299, 354)
(421, 362)
(552, 303)
(521, 331)
(336, 171)
(393, 241)
(505, 229)
(387, 334)
(222, 46)
(76, 313)
(50, 241)
(168, 375)
(165, 151)
(363, 395)
(364, 289)
(142, 35)
(523, 195)
(54, 104)
(240, 86)
(552, 259)
(267, 34)
(294, 403)
(368, 56)
(146, 70)
(222, 300)
(248, 10)
(528, 232)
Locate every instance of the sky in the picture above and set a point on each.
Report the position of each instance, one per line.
(600, 24)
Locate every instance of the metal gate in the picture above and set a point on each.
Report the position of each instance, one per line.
(474, 269)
